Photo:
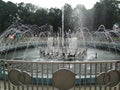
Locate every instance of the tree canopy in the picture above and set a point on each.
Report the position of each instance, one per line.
(106, 12)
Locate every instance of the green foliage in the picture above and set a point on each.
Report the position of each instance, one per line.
(8, 14)
(54, 18)
(68, 17)
(80, 16)
(106, 12)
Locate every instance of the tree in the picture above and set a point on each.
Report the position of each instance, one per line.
(40, 17)
(8, 15)
(54, 18)
(98, 8)
(68, 17)
(106, 12)
(30, 7)
(80, 16)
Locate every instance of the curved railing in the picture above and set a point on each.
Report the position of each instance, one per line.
(42, 72)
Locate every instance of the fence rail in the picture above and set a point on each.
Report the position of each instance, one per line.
(41, 74)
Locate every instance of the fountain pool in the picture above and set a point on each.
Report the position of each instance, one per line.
(81, 45)
(33, 54)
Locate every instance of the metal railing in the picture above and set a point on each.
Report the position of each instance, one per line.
(41, 73)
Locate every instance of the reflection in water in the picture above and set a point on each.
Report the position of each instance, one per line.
(95, 54)
(33, 54)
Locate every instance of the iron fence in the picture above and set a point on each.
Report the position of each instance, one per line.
(40, 74)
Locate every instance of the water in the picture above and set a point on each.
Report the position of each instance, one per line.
(33, 54)
(57, 46)
(96, 54)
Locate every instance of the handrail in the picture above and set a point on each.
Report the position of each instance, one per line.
(62, 62)
(41, 73)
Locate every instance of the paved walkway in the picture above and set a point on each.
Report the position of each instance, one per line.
(45, 87)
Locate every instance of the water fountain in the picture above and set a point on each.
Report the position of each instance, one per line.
(20, 42)
(51, 47)
(32, 42)
(108, 39)
(60, 47)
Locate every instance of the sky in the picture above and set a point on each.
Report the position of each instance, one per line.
(57, 3)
